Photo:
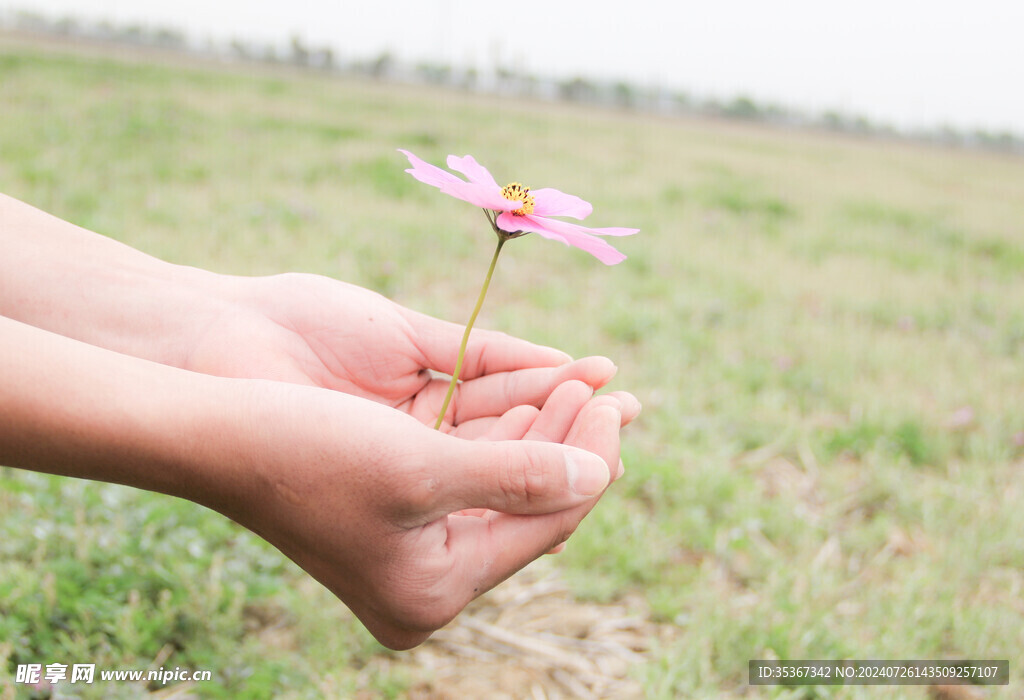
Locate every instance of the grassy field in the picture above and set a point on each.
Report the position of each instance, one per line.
(827, 335)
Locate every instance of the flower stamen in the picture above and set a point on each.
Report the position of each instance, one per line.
(516, 192)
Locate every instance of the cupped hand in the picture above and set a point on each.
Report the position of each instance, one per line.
(313, 330)
(405, 524)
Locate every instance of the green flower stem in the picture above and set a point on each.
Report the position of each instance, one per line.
(465, 336)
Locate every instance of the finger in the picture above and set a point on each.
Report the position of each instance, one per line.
(560, 410)
(470, 430)
(629, 404)
(514, 476)
(631, 408)
(614, 400)
(597, 429)
(488, 549)
(494, 394)
(513, 425)
(526, 422)
(550, 424)
(487, 352)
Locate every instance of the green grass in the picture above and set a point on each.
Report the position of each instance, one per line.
(805, 317)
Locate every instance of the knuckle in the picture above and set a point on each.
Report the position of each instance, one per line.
(420, 493)
(415, 488)
(511, 389)
(525, 478)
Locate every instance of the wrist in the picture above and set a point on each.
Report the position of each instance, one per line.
(74, 409)
(173, 308)
(76, 283)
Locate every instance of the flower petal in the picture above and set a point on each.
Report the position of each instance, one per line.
(517, 224)
(484, 196)
(468, 166)
(570, 234)
(551, 202)
(427, 173)
(569, 230)
(611, 231)
(484, 192)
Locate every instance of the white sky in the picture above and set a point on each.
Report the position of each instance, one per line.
(907, 62)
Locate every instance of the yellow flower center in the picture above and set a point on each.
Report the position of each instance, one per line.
(515, 192)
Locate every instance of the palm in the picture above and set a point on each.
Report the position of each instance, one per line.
(313, 330)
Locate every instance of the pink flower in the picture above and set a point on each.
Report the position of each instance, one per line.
(519, 210)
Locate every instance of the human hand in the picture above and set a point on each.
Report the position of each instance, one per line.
(405, 524)
(296, 328)
(313, 330)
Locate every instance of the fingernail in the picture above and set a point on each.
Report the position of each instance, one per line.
(620, 471)
(587, 473)
(615, 370)
(636, 406)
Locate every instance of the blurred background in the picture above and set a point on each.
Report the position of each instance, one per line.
(822, 315)
(910, 66)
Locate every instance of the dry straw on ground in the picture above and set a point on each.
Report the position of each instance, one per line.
(530, 638)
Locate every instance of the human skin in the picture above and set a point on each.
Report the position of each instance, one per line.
(297, 328)
(295, 405)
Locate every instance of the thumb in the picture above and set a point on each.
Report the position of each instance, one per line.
(488, 351)
(520, 476)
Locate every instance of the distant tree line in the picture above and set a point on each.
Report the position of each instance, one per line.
(505, 81)
(162, 37)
